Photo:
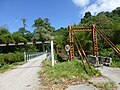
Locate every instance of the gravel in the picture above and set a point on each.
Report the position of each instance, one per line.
(24, 77)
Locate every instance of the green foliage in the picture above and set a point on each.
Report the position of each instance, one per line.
(116, 64)
(19, 38)
(55, 56)
(60, 38)
(43, 29)
(66, 71)
(1, 60)
(87, 15)
(5, 36)
(107, 52)
(27, 48)
(3, 31)
(11, 58)
(8, 38)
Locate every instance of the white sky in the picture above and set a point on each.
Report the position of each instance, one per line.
(96, 6)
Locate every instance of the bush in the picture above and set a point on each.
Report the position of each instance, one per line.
(19, 57)
(1, 60)
(11, 58)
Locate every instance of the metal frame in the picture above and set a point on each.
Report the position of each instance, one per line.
(76, 29)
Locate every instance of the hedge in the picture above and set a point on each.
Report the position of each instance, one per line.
(11, 58)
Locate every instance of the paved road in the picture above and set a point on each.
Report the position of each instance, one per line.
(111, 73)
(23, 77)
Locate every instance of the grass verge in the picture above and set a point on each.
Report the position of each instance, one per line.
(115, 64)
(9, 66)
(65, 73)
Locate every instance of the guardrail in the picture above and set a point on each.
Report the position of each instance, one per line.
(31, 55)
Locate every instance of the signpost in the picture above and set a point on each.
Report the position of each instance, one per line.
(67, 48)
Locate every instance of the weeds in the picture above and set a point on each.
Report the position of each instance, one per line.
(116, 64)
(106, 86)
(65, 71)
(9, 66)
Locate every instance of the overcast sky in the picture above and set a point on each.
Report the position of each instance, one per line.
(61, 13)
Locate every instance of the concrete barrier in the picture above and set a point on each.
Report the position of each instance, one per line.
(99, 60)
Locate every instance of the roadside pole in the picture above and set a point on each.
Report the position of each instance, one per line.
(52, 53)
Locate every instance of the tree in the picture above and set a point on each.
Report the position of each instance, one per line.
(43, 30)
(19, 38)
(5, 36)
(87, 14)
(24, 22)
(23, 32)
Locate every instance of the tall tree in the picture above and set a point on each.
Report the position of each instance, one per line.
(43, 30)
(24, 22)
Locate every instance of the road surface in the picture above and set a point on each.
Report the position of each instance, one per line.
(24, 77)
(111, 73)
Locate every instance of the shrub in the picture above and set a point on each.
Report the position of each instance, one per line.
(1, 60)
(11, 58)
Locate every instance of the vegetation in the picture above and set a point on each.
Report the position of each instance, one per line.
(106, 22)
(9, 60)
(43, 30)
(106, 86)
(65, 72)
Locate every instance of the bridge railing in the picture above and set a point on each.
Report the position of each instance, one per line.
(31, 55)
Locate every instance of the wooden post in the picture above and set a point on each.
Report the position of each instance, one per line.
(95, 41)
(71, 39)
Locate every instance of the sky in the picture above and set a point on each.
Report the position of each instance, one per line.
(60, 13)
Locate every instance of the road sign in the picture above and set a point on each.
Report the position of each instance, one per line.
(67, 47)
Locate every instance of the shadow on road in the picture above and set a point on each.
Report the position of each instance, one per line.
(27, 67)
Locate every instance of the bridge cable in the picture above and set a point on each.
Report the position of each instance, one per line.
(83, 51)
(117, 50)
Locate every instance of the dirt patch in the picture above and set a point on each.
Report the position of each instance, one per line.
(102, 83)
(95, 80)
(61, 85)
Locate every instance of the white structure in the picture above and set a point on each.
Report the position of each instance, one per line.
(52, 53)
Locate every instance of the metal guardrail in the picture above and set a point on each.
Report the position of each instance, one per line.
(31, 55)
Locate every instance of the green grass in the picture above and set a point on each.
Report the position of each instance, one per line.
(65, 71)
(106, 86)
(115, 64)
(9, 66)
